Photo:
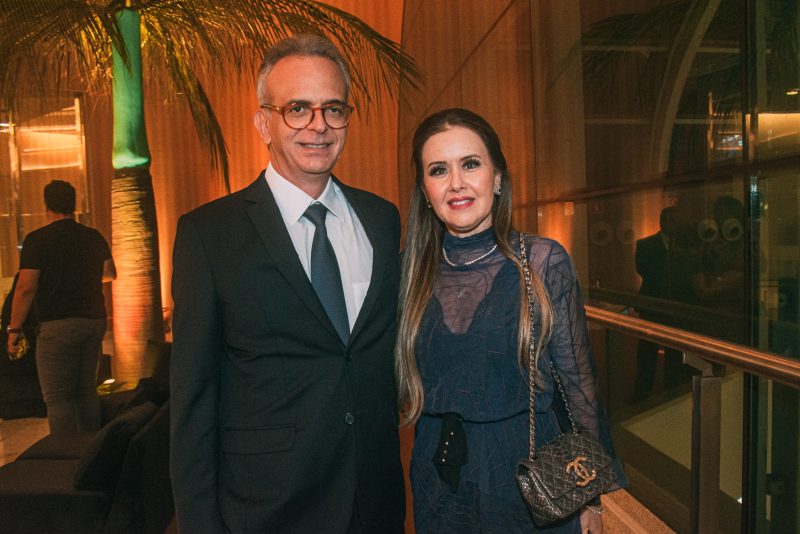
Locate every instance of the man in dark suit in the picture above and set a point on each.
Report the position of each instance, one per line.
(283, 395)
(654, 263)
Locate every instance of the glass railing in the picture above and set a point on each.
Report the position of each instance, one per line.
(685, 440)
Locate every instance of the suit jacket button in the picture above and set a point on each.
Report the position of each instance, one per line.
(348, 418)
(348, 356)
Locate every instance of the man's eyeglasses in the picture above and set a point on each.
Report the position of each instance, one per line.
(298, 116)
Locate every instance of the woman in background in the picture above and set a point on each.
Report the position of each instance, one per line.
(464, 328)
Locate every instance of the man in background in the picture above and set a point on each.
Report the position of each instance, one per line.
(61, 272)
(655, 263)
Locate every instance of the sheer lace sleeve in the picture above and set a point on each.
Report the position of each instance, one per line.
(569, 347)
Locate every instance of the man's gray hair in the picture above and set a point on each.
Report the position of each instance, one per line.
(302, 45)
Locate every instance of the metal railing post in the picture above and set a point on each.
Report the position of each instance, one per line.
(706, 429)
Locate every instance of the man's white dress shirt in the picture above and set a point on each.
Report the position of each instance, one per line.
(348, 238)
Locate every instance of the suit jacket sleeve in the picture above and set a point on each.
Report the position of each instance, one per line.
(196, 353)
(571, 353)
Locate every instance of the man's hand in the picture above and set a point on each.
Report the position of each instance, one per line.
(14, 340)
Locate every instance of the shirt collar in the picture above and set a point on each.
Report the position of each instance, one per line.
(293, 201)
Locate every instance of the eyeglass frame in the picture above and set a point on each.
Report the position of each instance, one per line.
(314, 109)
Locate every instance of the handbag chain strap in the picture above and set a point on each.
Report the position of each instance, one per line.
(533, 358)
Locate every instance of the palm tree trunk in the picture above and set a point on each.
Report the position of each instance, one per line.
(136, 293)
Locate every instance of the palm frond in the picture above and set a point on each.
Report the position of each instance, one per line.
(43, 40)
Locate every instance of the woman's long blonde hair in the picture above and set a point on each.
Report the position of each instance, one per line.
(423, 245)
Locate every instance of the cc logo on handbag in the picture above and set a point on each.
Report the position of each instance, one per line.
(579, 470)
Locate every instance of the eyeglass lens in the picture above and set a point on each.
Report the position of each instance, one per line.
(300, 115)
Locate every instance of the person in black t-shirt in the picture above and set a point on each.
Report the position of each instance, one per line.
(62, 269)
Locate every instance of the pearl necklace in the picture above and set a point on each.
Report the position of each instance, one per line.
(470, 262)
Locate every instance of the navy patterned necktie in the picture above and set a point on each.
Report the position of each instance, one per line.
(325, 276)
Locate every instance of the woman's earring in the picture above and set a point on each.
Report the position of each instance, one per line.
(497, 190)
(428, 202)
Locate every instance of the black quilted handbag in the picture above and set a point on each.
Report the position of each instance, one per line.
(558, 479)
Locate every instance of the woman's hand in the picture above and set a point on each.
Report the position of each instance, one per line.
(591, 522)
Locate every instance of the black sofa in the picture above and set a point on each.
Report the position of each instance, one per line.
(115, 480)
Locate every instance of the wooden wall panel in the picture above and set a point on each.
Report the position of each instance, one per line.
(507, 104)
(477, 19)
(559, 99)
(181, 171)
(97, 131)
(433, 40)
(559, 126)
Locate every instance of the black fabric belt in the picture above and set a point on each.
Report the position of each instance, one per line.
(474, 422)
(451, 452)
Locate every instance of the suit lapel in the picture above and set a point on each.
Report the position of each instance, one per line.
(266, 217)
(374, 228)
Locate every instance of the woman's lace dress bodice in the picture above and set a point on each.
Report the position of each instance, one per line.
(467, 343)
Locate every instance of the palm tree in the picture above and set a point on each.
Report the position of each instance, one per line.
(102, 41)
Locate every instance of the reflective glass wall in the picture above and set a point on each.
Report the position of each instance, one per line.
(40, 140)
(659, 142)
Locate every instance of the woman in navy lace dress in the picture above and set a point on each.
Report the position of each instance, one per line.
(460, 364)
